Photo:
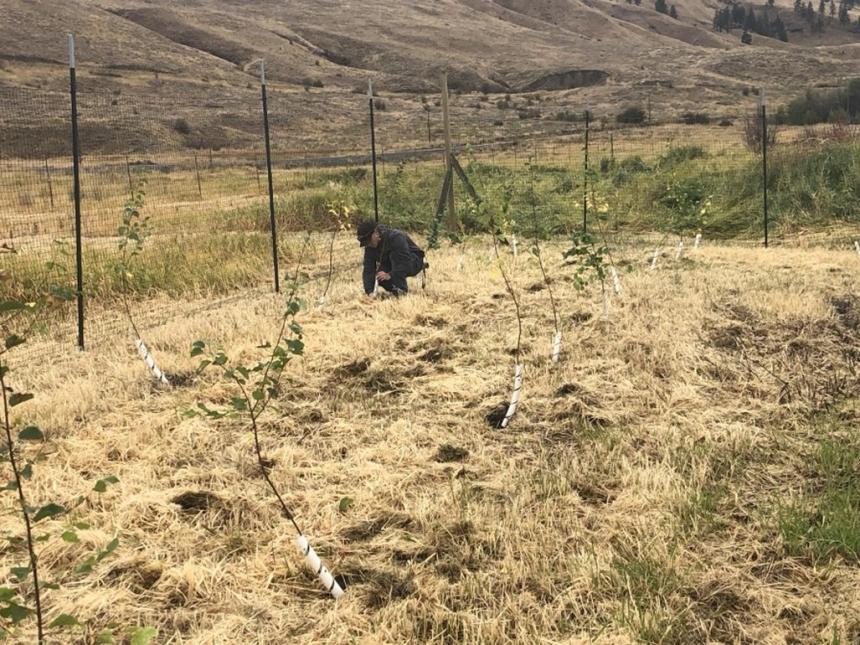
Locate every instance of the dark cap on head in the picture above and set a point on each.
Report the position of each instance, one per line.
(365, 230)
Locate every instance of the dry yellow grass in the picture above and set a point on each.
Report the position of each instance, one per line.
(587, 520)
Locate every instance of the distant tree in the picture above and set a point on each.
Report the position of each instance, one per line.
(779, 30)
(739, 14)
(673, 13)
(661, 7)
(844, 18)
(822, 7)
(832, 10)
(750, 23)
(798, 7)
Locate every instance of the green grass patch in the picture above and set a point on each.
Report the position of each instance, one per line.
(824, 522)
(653, 591)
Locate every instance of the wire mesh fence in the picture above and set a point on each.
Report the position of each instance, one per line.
(208, 204)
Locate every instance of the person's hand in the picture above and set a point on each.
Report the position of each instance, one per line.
(382, 276)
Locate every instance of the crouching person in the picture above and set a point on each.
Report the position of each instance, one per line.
(390, 257)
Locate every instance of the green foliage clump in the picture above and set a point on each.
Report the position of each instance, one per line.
(686, 201)
(827, 106)
(681, 154)
(588, 259)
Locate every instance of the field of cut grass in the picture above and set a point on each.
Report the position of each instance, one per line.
(687, 473)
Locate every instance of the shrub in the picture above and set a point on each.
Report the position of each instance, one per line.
(753, 134)
(821, 107)
(725, 123)
(675, 156)
(687, 202)
(633, 164)
(525, 113)
(311, 82)
(181, 126)
(695, 118)
(634, 114)
(566, 115)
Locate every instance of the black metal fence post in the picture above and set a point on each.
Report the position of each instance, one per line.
(76, 179)
(373, 151)
(585, 175)
(271, 183)
(197, 172)
(764, 162)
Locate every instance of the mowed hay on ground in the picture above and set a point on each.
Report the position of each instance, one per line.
(688, 472)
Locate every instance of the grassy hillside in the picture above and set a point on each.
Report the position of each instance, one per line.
(168, 60)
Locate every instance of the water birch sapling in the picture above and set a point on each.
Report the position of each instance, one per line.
(588, 261)
(23, 597)
(258, 386)
(341, 214)
(133, 231)
(499, 228)
(539, 232)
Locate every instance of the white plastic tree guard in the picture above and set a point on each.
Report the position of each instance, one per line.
(679, 250)
(556, 346)
(515, 396)
(326, 579)
(616, 281)
(698, 240)
(147, 357)
(654, 260)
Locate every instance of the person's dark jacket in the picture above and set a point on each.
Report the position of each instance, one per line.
(396, 254)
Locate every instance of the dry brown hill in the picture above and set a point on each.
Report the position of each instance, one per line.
(164, 57)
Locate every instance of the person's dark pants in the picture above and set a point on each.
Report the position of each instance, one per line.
(398, 286)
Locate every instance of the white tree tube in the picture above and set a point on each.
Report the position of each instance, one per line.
(461, 261)
(326, 579)
(150, 361)
(679, 250)
(654, 260)
(515, 396)
(321, 301)
(556, 346)
(698, 240)
(616, 281)
(857, 246)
